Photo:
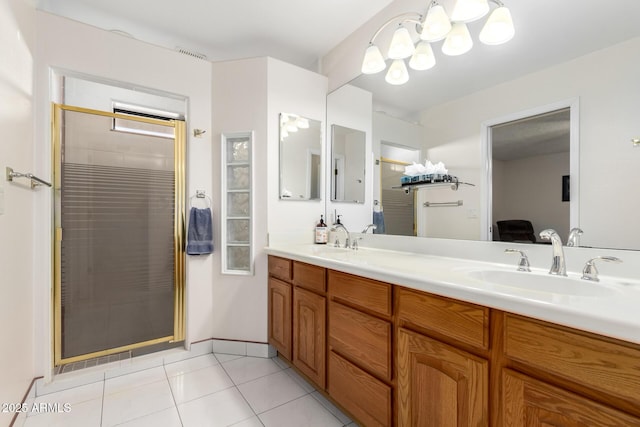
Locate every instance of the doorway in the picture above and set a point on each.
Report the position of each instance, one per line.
(531, 177)
(119, 220)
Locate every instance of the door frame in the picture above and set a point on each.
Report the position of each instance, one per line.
(486, 188)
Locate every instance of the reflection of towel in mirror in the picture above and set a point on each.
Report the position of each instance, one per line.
(378, 220)
(200, 234)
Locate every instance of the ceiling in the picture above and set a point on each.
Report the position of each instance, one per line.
(302, 32)
(544, 134)
(298, 32)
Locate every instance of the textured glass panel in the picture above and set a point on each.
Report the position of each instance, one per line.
(238, 204)
(238, 231)
(238, 150)
(117, 208)
(238, 258)
(238, 177)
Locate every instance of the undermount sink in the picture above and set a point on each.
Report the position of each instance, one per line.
(539, 282)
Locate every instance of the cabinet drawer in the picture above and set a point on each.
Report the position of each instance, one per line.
(364, 339)
(365, 397)
(602, 364)
(467, 323)
(309, 276)
(280, 268)
(365, 293)
(526, 401)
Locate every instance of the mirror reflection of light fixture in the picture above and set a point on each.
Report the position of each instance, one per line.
(398, 73)
(401, 44)
(423, 58)
(434, 25)
(458, 40)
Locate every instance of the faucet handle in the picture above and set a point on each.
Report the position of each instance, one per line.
(354, 243)
(590, 272)
(523, 264)
(575, 232)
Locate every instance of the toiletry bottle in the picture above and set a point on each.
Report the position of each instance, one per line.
(321, 232)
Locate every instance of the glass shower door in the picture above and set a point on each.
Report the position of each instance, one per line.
(119, 227)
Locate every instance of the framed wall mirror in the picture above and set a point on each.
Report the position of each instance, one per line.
(531, 71)
(300, 158)
(348, 150)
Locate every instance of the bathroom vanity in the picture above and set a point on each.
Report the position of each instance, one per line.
(398, 351)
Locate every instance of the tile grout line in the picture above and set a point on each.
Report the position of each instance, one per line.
(243, 397)
(164, 368)
(104, 389)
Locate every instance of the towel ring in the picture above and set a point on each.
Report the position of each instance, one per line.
(200, 195)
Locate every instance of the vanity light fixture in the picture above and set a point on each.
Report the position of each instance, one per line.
(433, 26)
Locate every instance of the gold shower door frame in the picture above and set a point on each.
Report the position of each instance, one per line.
(178, 233)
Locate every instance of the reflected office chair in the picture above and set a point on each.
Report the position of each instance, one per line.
(516, 230)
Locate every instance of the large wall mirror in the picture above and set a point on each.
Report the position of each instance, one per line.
(300, 158)
(593, 72)
(348, 150)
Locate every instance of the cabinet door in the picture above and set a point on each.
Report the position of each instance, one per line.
(309, 334)
(530, 403)
(439, 385)
(280, 316)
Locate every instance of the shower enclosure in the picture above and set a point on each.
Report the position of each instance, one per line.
(119, 222)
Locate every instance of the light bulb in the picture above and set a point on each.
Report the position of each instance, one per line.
(283, 133)
(398, 73)
(401, 44)
(373, 61)
(423, 58)
(458, 41)
(436, 25)
(498, 28)
(469, 10)
(291, 126)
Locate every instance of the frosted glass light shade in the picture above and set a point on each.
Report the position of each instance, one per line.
(436, 25)
(499, 27)
(458, 41)
(469, 10)
(291, 126)
(398, 73)
(401, 44)
(423, 57)
(373, 61)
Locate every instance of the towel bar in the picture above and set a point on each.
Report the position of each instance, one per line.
(442, 204)
(35, 181)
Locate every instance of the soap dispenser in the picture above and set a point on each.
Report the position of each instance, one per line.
(321, 232)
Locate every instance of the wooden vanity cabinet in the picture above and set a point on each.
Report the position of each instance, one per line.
(309, 321)
(528, 402)
(280, 305)
(360, 370)
(440, 384)
(389, 355)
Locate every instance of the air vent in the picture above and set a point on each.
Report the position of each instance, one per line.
(190, 53)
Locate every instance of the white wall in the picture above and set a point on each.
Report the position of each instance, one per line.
(239, 100)
(292, 89)
(609, 114)
(249, 95)
(17, 201)
(351, 107)
(67, 45)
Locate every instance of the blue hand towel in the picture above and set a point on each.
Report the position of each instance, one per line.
(200, 234)
(378, 220)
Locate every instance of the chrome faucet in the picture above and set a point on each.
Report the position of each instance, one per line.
(370, 226)
(339, 226)
(572, 240)
(558, 266)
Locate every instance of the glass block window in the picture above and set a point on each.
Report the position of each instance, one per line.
(237, 187)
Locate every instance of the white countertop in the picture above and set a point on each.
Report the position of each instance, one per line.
(610, 308)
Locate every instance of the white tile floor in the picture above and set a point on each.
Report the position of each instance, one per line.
(210, 390)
